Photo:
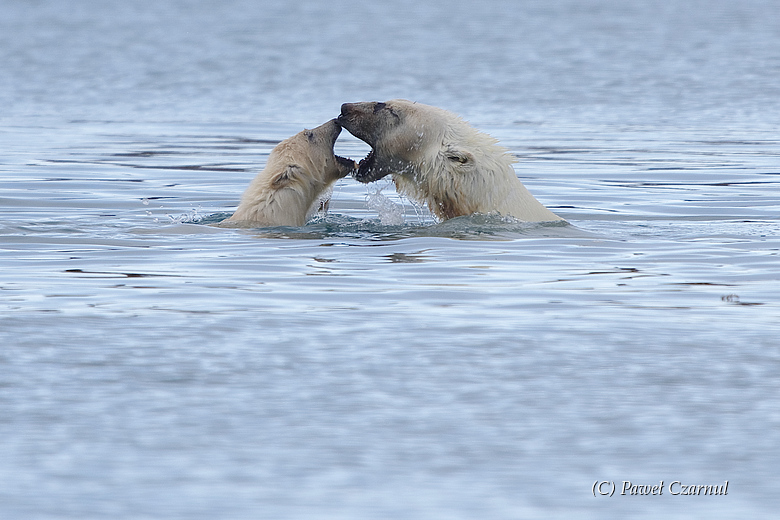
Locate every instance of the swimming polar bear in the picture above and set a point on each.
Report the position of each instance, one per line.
(436, 157)
(298, 171)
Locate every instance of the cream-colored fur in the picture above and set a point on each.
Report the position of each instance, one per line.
(299, 170)
(436, 157)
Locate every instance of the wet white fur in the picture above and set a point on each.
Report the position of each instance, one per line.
(288, 190)
(455, 169)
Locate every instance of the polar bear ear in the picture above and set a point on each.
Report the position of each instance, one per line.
(286, 177)
(459, 157)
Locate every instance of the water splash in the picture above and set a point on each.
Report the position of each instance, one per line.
(390, 213)
(193, 217)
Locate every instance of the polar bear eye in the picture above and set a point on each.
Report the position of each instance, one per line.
(309, 134)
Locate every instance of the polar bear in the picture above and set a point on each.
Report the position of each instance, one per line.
(298, 171)
(436, 157)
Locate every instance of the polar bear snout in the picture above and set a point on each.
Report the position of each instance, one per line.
(360, 120)
(350, 109)
(329, 131)
(347, 112)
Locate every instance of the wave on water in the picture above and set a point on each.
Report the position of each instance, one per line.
(471, 227)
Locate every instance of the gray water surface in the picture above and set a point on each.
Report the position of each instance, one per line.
(376, 363)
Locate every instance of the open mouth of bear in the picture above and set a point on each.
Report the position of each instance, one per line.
(367, 171)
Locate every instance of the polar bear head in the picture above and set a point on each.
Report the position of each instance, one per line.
(438, 158)
(298, 171)
(402, 135)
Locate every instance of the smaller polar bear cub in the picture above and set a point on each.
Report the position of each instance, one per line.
(298, 171)
(436, 157)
